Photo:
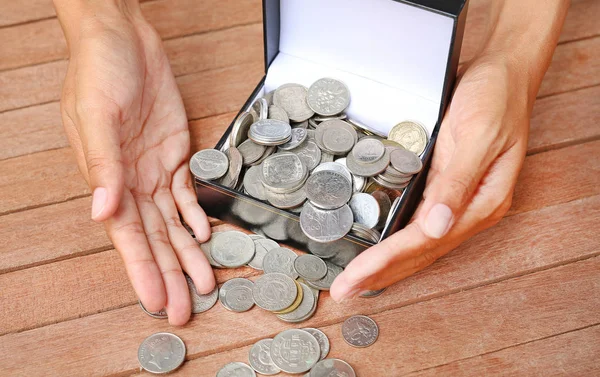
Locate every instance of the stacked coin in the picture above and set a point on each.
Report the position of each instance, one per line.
(301, 153)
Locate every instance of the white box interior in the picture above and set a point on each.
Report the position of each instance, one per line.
(391, 55)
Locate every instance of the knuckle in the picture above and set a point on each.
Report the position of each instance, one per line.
(158, 236)
(97, 162)
(173, 221)
(461, 185)
(188, 249)
(132, 228)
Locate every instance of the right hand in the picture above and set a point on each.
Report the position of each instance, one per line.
(126, 122)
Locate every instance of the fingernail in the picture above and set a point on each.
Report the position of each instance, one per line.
(437, 222)
(98, 201)
(349, 293)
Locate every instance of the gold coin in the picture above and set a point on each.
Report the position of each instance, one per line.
(410, 135)
(296, 303)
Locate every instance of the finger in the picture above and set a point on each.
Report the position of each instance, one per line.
(127, 234)
(190, 256)
(187, 203)
(178, 303)
(99, 129)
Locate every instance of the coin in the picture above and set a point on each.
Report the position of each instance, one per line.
(332, 367)
(328, 97)
(239, 132)
(209, 164)
(360, 331)
(161, 353)
(328, 189)
(324, 284)
(384, 183)
(260, 358)
(368, 170)
(336, 167)
(260, 109)
(411, 135)
(320, 118)
(304, 309)
(270, 132)
(236, 295)
(287, 200)
(300, 124)
(262, 246)
(322, 339)
(236, 369)
(161, 314)
(274, 291)
(326, 157)
(253, 183)
(325, 225)
(268, 152)
(310, 267)
(336, 136)
(359, 182)
(368, 151)
(295, 351)
(235, 167)
(292, 98)
(232, 249)
(269, 97)
(283, 172)
(201, 303)
(276, 112)
(365, 209)
(405, 161)
(280, 259)
(370, 294)
(299, 135)
(296, 302)
(309, 153)
(385, 204)
(206, 248)
(251, 152)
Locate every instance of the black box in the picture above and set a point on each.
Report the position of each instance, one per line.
(399, 59)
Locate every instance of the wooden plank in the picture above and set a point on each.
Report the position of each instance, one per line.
(432, 333)
(565, 119)
(562, 234)
(574, 65)
(581, 21)
(206, 132)
(575, 353)
(16, 12)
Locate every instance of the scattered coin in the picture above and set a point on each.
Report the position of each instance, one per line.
(260, 358)
(280, 259)
(274, 291)
(371, 294)
(262, 246)
(201, 303)
(209, 164)
(332, 367)
(232, 249)
(161, 353)
(296, 303)
(295, 351)
(304, 310)
(310, 267)
(360, 331)
(325, 225)
(324, 284)
(236, 295)
(236, 369)
(161, 314)
(322, 339)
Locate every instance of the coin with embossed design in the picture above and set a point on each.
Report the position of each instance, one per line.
(298, 137)
(274, 291)
(236, 295)
(332, 368)
(201, 303)
(360, 331)
(280, 259)
(333, 270)
(161, 353)
(308, 304)
(365, 209)
(276, 112)
(236, 369)
(260, 358)
(232, 249)
(295, 351)
(262, 246)
(328, 189)
(325, 225)
(283, 172)
(309, 153)
(310, 267)
(251, 152)
(411, 135)
(209, 164)
(321, 338)
(270, 132)
(328, 97)
(292, 99)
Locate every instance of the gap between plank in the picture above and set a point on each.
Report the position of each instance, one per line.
(27, 22)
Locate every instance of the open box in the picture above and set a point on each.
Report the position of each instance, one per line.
(399, 60)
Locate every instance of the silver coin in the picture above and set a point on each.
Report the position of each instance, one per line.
(368, 151)
(201, 303)
(251, 152)
(262, 246)
(161, 314)
(274, 292)
(333, 270)
(324, 250)
(328, 189)
(328, 97)
(236, 369)
(332, 367)
(326, 157)
(336, 137)
(276, 112)
(411, 135)
(365, 209)
(322, 339)
(288, 200)
(232, 249)
(304, 309)
(370, 294)
(269, 97)
(292, 98)
(394, 180)
(239, 132)
(320, 118)
(299, 135)
(209, 164)
(300, 124)
(295, 351)
(260, 358)
(310, 267)
(336, 167)
(368, 170)
(161, 353)
(392, 186)
(360, 331)
(283, 172)
(385, 205)
(235, 167)
(391, 171)
(253, 183)
(359, 182)
(206, 248)
(236, 295)
(405, 161)
(280, 259)
(325, 225)
(259, 109)
(270, 132)
(268, 152)
(309, 153)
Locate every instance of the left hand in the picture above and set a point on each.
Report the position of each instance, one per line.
(479, 153)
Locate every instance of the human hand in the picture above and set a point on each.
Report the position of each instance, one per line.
(477, 158)
(126, 122)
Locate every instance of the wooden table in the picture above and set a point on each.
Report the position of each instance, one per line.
(522, 298)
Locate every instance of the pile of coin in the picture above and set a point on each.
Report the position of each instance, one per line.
(297, 150)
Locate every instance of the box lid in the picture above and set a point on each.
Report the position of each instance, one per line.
(398, 58)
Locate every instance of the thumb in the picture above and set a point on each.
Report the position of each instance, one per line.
(452, 189)
(101, 146)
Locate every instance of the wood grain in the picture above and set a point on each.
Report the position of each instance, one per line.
(572, 354)
(14, 12)
(431, 333)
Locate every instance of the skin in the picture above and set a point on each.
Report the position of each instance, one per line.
(126, 122)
